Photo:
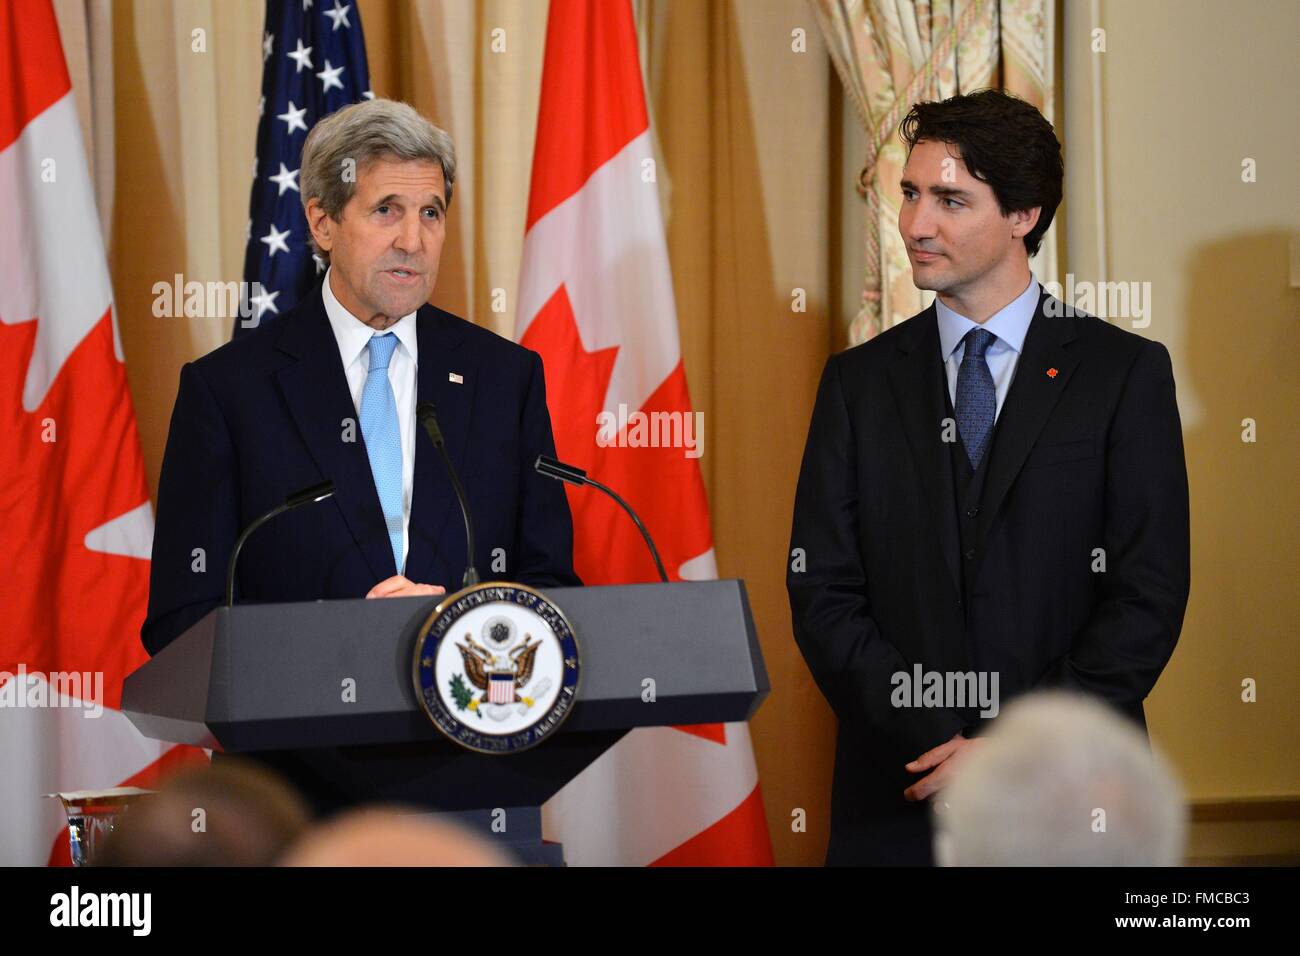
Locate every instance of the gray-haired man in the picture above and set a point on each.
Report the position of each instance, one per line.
(328, 391)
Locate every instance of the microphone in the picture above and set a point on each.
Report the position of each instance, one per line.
(428, 417)
(553, 468)
(305, 497)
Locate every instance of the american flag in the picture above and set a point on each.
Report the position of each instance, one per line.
(314, 62)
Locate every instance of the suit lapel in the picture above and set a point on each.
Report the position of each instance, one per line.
(315, 389)
(433, 502)
(1042, 373)
(919, 383)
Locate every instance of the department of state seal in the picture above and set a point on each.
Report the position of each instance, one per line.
(496, 667)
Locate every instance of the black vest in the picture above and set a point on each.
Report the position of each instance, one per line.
(968, 495)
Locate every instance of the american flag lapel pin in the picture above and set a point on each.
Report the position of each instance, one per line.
(460, 379)
(1051, 373)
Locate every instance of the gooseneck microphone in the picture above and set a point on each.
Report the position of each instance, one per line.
(428, 417)
(305, 497)
(553, 468)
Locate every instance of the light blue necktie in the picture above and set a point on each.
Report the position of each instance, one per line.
(977, 400)
(383, 437)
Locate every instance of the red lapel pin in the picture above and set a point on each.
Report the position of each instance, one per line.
(1051, 373)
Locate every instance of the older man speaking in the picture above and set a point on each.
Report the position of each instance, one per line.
(329, 391)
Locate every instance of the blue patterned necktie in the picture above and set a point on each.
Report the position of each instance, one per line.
(383, 437)
(977, 400)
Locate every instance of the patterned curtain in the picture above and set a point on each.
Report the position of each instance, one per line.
(891, 54)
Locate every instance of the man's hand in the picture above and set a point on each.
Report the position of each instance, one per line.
(398, 586)
(941, 757)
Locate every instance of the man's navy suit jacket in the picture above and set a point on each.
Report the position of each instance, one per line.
(271, 413)
(1086, 454)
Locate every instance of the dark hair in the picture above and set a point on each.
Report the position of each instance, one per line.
(1005, 142)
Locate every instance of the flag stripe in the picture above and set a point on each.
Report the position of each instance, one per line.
(729, 842)
(32, 68)
(585, 43)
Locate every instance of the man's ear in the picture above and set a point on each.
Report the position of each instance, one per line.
(320, 224)
(1023, 221)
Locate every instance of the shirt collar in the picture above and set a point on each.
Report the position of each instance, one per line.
(354, 336)
(1010, 324)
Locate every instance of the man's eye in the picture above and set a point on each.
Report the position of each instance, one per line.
(382, 210)
(954, 202)
(433, 212)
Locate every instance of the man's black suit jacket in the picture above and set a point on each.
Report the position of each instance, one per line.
(270, 413)
(1087, 453)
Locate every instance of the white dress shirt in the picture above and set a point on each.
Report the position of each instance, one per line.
(353, 337)
(1010, 324)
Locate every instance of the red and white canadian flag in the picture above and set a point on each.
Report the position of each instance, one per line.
(75, 519)
(596, 301)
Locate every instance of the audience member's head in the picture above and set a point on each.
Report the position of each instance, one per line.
(231, 814)
(390, 837)
(1061, 780)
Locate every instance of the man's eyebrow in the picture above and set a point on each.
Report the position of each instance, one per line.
(392, 198)
(946, 192)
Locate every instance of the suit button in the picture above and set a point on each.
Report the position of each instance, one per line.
(970, 554)
(972, 512)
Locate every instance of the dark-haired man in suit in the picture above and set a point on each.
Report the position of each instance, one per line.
(994, 487)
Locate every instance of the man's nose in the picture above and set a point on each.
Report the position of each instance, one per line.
(918, 222)
(408, 234)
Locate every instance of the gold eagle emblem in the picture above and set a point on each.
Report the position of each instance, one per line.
(480, 662)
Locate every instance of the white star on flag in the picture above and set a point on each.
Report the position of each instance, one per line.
(301, 56)
(265, 301)
(275, 241)
(286, 179)
(330, 77)
(293, 117)
(267, 40)
(339, 14)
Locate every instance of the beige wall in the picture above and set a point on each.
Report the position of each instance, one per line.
(759, 158)
(1191, 88)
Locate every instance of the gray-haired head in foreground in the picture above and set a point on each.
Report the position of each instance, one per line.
(1061, 780)
(342, 144)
